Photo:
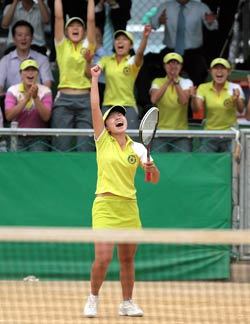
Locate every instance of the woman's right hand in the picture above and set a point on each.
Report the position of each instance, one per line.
(95, 71)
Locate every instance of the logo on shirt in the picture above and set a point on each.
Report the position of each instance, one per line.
(126, 70)
(229, 103)
(83, 51)
(132, 159)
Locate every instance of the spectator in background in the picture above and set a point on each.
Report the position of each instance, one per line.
(72, 103)
(183, 21)
(220, 100)
(22, 32)
(79, 9)
(121, 70)
(119, 13)
(29, 103)
(36, 13)
(171, 95)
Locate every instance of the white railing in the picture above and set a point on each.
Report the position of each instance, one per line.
(131, 132)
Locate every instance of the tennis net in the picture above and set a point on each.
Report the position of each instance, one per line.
(182, 276)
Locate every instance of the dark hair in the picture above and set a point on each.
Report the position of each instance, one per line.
(22, 23)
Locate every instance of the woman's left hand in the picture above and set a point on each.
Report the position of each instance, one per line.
(149, 166)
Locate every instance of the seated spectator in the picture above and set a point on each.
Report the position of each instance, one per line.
(35, 12)
(171, 95)
(121, 70)
(72, 103)
(22, 33)
(220, 100)
(29, 103)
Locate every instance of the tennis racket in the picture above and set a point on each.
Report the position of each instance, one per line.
(147, 131)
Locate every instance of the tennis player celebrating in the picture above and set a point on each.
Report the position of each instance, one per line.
(115, 205)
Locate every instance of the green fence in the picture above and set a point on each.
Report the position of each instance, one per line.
(54, 189)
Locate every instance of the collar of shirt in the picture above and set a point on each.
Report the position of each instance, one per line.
(21, 7)
(225, 86)
(14, 55)
(128, 139)
(127, 57)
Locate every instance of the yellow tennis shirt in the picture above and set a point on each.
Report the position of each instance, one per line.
(71, 63)
(220, 109)
(172, 114)
(117, 167)
(120, 80)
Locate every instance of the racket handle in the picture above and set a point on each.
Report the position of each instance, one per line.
(147, 177)
(148, 174)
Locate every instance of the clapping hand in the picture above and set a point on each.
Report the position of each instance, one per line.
(33, 91)
(236, 94)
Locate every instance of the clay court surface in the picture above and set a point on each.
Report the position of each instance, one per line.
(61, 302)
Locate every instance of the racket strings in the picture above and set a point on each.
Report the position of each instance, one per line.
(148, 126)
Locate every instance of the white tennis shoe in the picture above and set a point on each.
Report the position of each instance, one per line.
(90, 308)
(128, 308)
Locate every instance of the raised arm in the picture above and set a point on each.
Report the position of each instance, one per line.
(44, 11)
(97, 118)
(160, 17)
(8, 14)
(140, 51)
(91, 23)
(59, 21)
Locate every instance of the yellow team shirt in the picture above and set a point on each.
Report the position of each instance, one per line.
(117, 167)
(172, 114)
(72, 64)
(220, 109)
(120, 80)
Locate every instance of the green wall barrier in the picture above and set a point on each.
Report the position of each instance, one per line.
(55, 189)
